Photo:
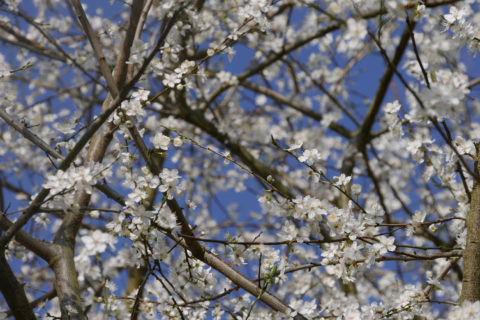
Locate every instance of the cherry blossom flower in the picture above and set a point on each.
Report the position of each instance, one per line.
(227, 77)
(392, 107)
(455, 15)
(295, 146)
(138, 52)
(356, 189)
(384, 245)
(133, 108)
(160, 141)
(417, 220)
(463, 146)
(289, 231)
(178, 141)
(169, 182)
(141, 95)
(83, 178)
(356, 32)
(342, 180)
(97, 242)
(171, 80)
(310, 208)
(310, 156)
(468, 310)
(13, 4)
(4, 70)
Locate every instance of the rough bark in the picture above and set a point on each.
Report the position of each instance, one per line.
(471, 254)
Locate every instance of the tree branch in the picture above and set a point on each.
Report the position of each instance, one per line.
(13, 292)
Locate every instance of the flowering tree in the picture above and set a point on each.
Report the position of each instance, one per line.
(189, 159)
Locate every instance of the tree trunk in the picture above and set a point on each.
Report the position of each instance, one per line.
(471, 254)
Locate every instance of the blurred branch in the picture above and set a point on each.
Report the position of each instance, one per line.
(338, 128)
(14, 292)
(362, 137)
(42, 249)
(53, 41)
(94, 41)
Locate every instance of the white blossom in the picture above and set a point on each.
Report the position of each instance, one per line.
(468, 310)
(463, 146)
(161, 141)
(342, 180)
(169, 182)
(310, 156)
(97, 242)
(384, 245)
(178, 141)
(392, 107)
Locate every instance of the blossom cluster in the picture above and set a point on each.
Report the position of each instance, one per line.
(462, 28)
(81, 178)
(134, 107)
(361, 217)
(174, 80)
